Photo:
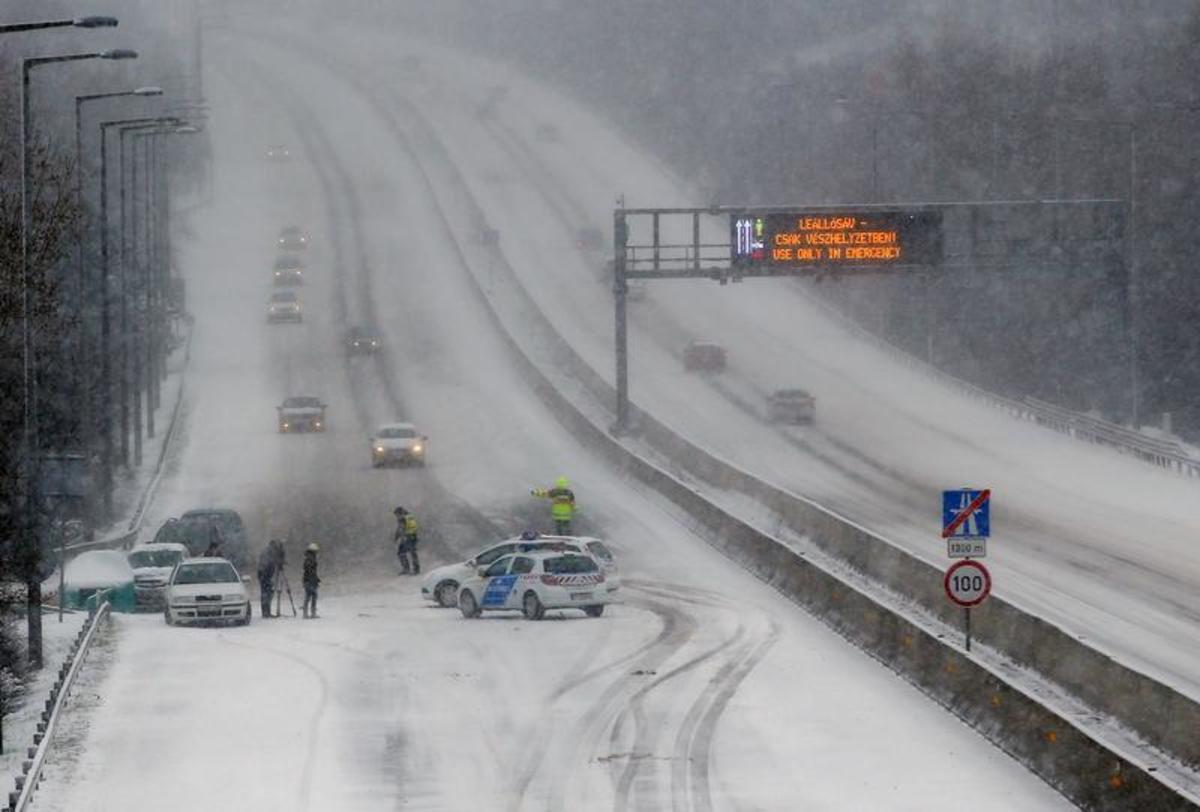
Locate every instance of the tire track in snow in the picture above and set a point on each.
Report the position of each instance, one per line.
(343, 210)
(304, 792)
(601, 714)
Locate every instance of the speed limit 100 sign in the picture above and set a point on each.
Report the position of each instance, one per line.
(968, 583)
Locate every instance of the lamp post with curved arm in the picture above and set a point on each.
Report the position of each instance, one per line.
(30, 446)
(83, 356)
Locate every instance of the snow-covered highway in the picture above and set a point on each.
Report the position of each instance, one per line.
(702, 690)
(1098, 543)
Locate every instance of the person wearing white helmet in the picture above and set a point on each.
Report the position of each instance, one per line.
(311, 580)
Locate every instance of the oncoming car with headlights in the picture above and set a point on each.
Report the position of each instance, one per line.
(534, 583)
(299, 414)
(440, 585)
(206, 590)
(398, 443)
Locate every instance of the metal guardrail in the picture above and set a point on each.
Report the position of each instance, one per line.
(1162, 453)
(43, 739)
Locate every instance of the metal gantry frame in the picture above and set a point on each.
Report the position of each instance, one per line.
(694, 258)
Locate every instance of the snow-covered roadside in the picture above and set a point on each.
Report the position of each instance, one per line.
(21, 722)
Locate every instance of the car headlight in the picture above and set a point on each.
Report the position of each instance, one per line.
(271, 309)
(417, 449)
(287, 425)
(279, 273)
(317, 423)
(378, 449)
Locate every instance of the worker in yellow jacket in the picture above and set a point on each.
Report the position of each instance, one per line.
(562, 504)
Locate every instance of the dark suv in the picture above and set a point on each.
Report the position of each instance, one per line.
(198, 528)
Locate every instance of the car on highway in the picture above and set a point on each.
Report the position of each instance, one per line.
(292, 238)
(288, 270)
(398, 443)
(278, 152)
(363, 340)
(589, 238)
(704, 356)
(534, 583)
(791, 406)
(441, 584)
(152, 565)
(206, 591)
(299, 414)
(547, 133)
(284, 306)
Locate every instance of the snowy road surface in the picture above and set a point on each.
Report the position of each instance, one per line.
(1101, 544)
(703, 689)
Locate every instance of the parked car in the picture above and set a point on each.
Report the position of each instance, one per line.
(398, 443)
(440, 585)
(284, 306)
(791, 406)
(96, 570)
(300, 413)
(152, 565)
(535, 582)
(197, 529)
(704, 356)
(206, 590)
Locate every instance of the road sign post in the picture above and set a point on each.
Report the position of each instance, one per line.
(967, 583)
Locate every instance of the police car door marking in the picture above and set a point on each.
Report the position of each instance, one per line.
(498, 589)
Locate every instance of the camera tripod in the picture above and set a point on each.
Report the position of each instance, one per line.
(281, 577)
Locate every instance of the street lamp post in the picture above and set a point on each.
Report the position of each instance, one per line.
(77, 22)
(110, 420)
(30, 447)
(83, 355)
(133, 341)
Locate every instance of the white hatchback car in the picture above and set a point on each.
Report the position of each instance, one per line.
(206, 590)
(440, 584)
(535, 582)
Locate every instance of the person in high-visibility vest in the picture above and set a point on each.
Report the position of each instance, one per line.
(562, 504)
(406, 535)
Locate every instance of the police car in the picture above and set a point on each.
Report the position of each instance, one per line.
(534, 582)
(440, 585)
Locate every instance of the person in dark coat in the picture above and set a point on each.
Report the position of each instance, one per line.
(266, 578)
(311, 580)
(270, 569)
(216, 540)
